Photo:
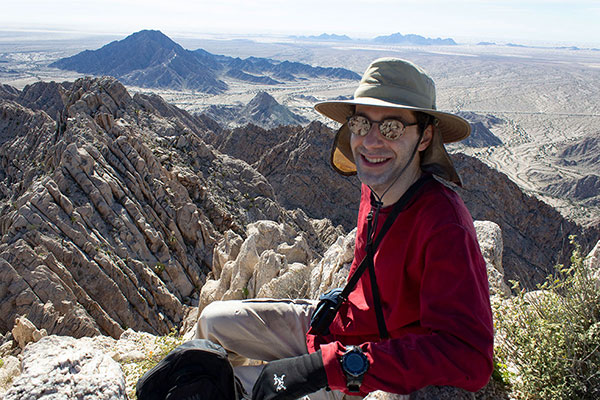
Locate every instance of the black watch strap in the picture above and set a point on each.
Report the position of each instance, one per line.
(354, 364)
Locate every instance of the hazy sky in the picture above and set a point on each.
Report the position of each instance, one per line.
(525, 21)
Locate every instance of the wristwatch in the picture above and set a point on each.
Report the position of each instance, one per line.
(354, 364)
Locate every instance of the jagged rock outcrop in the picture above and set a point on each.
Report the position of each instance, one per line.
(109, 214)
(273, 261)
(489, 236)
(24, 332)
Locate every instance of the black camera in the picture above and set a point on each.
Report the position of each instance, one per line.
(328, 306)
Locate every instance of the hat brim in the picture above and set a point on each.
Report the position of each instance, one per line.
(452, 127)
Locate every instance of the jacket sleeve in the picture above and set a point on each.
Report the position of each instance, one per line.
(457, 348)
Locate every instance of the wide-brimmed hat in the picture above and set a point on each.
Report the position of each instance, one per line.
(396, 83)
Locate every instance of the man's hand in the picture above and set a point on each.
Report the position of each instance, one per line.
(290, 378)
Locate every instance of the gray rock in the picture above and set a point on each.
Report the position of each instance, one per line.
(66, 368)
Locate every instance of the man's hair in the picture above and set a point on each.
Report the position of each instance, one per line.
(424, 120)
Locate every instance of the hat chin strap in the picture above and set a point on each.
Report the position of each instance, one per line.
(379, 199)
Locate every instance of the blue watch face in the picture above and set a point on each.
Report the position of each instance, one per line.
(355, 363)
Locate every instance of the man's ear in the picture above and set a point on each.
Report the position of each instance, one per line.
(427, 138)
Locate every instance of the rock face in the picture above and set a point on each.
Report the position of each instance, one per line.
(24, 332)
(151, 59)
(274, 261)
(536, 236)
(109, 214)
(295, 161)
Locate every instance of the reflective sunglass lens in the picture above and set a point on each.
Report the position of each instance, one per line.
(391, 128)
(359, 125)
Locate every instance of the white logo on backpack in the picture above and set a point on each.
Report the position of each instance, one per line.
(279, 383)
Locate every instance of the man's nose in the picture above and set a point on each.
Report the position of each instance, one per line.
(373, 137)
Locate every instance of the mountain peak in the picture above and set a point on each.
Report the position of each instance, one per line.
(263, 99)
(151, 35)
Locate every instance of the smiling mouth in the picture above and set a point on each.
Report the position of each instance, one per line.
(375, 160)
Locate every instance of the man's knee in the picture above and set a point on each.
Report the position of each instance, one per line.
(213, 319)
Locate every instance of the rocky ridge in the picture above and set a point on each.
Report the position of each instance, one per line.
(109, 215)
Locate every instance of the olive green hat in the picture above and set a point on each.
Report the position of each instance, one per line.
(396, 83)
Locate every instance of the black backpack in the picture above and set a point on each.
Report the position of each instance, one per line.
(196, 370)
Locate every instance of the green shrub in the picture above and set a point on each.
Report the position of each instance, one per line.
(549, 341)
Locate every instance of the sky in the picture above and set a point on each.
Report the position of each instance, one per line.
(517, 21)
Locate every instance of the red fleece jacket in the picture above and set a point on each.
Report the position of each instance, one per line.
(434, 291)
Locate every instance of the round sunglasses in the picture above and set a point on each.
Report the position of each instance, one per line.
(390, 128)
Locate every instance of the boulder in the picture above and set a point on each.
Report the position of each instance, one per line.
(25, 332)
(60, 367)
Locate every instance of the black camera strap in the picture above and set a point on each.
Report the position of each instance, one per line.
(371, 247)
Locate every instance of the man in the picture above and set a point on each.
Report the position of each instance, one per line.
(421, 315)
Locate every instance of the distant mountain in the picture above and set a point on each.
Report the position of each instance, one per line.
(268, 71)
(263, 110)
(398, 38)
(151, 59)
(148, 59)
(325, 37)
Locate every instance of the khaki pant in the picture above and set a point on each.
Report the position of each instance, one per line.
(257, 330)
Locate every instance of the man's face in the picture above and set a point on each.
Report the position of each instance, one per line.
(379, 160)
